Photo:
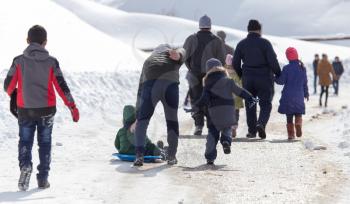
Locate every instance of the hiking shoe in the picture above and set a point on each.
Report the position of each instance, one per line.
(198, 130)
(210, 162)
(261, 131)
(139, 160)
(160, 144)
(227, 147)
(24, 178)
(172, 160)
(251, 135)
(43, 183)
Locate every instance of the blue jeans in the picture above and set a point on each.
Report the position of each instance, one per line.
(152, 92)
(336, 86)
(213, 139)
(27, 129)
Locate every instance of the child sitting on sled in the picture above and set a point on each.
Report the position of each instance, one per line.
(125, 139)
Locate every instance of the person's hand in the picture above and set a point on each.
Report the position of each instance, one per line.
(174, 55)
(75, 113)
(228, 60)
(252, 102)
(13, 104)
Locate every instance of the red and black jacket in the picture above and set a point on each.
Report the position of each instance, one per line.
(35, 74)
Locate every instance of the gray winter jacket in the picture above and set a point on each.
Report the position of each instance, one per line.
(200, 47)
(218, 95)
(35, 74)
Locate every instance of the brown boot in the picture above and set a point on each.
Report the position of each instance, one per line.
(290, 130)
(298, 124)
(234, 133)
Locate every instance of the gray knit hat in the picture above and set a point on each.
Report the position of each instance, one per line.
(204, 22)
(213, 62)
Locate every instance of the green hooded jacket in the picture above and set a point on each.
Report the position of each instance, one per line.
(125, 139)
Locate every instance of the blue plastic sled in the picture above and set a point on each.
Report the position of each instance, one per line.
(131, 158)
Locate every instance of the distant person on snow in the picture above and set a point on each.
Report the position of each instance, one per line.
(239, 104)
(218, 96)
(324, 70)
(222, 35)
(314, 65)
(159, 82)
(200, 47)
(339, 70)
(257, 73)
(295, 89)
(125, 139)
(35, 74)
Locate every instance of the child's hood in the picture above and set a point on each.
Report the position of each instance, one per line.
(36, 52)
(129, 114)
(216, 77)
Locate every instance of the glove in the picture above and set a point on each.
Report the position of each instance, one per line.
(249, 98)
(252, 102)
(228, 60)
(13, 104)
(75, 113)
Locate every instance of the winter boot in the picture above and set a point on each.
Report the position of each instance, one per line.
(227, 147)
(43, 183)
(298, 125)
(160, 144)
(24, 178)
(210, 162)
(290, 130)
(198, 130)
(172, 160)
(251, 135)
(261, 130)
(139, 160)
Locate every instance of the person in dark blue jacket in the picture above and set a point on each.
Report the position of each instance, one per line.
(295, 89)
(218, 96)
(339, 70)
(259, 66)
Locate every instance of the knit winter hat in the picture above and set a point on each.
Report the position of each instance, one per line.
(211, 63)
(292, 54)
(254, 25)
(161, 48)
(204, 22)
(221, 34)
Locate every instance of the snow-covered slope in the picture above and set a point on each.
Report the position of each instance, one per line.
(77, 45)
(147, 30)
(285, 18)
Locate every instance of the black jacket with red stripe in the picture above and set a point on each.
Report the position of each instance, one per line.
(35, 74)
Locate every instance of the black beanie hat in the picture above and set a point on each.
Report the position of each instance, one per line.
(254, 25)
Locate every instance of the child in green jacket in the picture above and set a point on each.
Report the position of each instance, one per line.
(238, 101)
(125, 139)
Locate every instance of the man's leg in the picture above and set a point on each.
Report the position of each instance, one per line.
(315, 83)
(171, 104)
(44, 133)
(26, 138)
(196, 89)
(248, 84)
(144, 114)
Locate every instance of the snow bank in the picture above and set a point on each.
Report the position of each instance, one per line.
(147, 30)
(77, 45)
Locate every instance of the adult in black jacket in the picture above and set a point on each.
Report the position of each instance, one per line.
(339, 70)
(200, 47)
(314, 66)
(257, 72)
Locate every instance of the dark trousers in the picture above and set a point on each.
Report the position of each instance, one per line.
(152, 92)
(195, 92)
(27, 128)
(213, 139)
(336, 86)
(324, 90)
(315, 83)
(290, 117)
(263, 88)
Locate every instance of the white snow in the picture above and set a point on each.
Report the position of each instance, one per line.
(97, 47)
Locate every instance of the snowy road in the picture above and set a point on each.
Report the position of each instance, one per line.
(271, 171)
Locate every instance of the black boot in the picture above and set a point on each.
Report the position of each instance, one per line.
(227, 147)
(261, 130)
(43, 183)
(251, 135)
(139, 160)
(24, 178)
(198, 130)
